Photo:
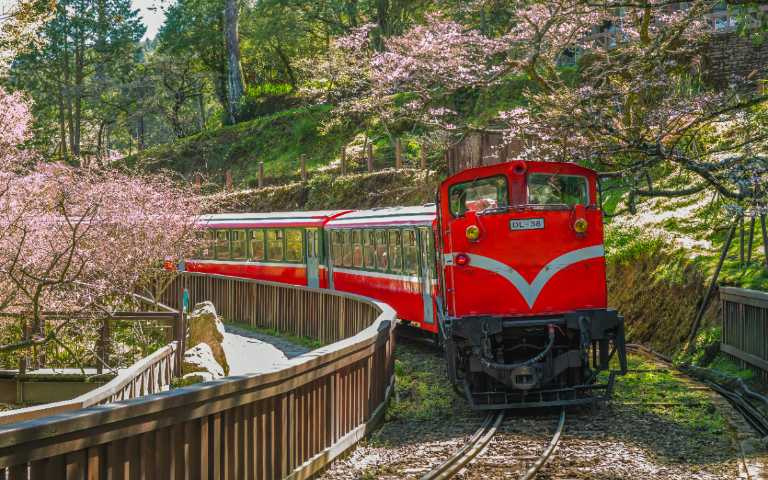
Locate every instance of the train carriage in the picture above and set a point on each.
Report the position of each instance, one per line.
(285, 247)
(388, 254)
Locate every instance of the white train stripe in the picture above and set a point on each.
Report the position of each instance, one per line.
(388, 276)
(246, 263)
(531, 291)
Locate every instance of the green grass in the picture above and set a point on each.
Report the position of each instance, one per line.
(306, 342)
(422, 389)
(278, 140)
(669, 397)
(727, 366)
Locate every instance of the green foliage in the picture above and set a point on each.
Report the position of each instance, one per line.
(266, 99)
(422, 390)
(277, 140)
(623, 245)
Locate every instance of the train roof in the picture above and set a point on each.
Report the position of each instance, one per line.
(271, 219)
(422, 215)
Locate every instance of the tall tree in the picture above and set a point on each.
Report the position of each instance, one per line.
(235, 81)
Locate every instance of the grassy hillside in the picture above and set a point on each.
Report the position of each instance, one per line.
(278, 140)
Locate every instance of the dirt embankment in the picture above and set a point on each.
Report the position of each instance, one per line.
(384, 188)
(658, 290)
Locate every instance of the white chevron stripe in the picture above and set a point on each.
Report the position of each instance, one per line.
(531, 291)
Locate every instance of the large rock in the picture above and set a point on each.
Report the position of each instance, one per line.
(199, 361)
(205, 327)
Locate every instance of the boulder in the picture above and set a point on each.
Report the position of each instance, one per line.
(199, 361)
(204, 326)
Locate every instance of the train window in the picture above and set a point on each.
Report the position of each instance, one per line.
(410, 252)
(357, 248)
(346, 259)
(395, 252)
(275, 245)
(239, 244)
(369, 249)
(209, 244)
(337, 247)
(430, 258)
(294, 245)
(546, 189)
(381, 250)
(478, 195)
(222, 244)
(257, 245)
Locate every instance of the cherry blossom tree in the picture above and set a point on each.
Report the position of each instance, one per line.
(618, 84)
(76, 241)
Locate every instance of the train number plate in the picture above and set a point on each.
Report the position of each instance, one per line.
(526, 224)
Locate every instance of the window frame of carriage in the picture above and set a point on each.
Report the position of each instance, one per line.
(213, 240)
(343, 239)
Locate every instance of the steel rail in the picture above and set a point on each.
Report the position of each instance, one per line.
(465, 454)
(531, 472)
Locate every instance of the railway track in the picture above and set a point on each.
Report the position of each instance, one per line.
(461, 460)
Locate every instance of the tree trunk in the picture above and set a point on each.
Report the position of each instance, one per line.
(140, 132)
(201, 108)
(235, 80)
(63, 151)
(78, 93)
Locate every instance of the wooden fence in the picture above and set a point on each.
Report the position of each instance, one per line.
(151, 374)
(286, 422)
(745, 328)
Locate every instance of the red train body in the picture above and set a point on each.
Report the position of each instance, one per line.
(507, 270)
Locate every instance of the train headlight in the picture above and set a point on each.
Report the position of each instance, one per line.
(580, 225)
(461, 259)
(473, 233)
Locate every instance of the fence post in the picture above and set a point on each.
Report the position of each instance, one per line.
(103, 346)
(398, 154)
(751, 241)
(344, 160)
(303, 160)
(765, 239)
(228, 180)
(261, 174)
(423, 158)
(369, 157)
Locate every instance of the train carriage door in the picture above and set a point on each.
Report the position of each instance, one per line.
(428, 271)
(313, 257)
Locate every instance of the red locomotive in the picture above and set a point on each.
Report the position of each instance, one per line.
(507, 270)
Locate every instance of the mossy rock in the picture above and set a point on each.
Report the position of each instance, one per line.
(204, 326)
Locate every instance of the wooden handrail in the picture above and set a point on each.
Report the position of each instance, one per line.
(111, 391)
(284, 421)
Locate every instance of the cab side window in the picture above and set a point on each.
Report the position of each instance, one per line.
(478, 195)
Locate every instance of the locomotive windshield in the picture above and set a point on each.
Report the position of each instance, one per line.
(547, 189)
(479, 194)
